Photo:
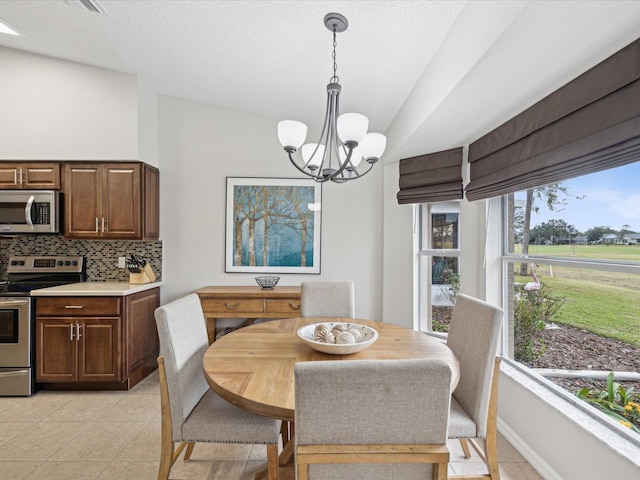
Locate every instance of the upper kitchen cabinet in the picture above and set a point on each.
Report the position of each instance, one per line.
(32, 175)
(111, 201)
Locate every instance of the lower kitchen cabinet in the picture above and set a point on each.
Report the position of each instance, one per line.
(78, 349)
(96, 342)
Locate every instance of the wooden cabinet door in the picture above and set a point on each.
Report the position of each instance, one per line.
(151, 201)
(121, 201)
(142, 342)
(34, 175)
(9, 175)
(83, 200)
(41, 175)
(99, 354)
(56, 350)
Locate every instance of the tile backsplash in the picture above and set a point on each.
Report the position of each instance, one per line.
(101, 255)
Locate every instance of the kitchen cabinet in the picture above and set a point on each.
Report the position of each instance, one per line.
(30, 175)
(103, 342)
(247, 302)
(111, 201)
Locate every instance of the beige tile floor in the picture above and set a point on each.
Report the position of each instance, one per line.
(116, 435)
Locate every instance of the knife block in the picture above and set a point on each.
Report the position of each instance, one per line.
(146, 275)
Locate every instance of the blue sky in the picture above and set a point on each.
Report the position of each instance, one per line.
(611, 198)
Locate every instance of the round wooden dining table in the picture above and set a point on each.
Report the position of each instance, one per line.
(252, 367)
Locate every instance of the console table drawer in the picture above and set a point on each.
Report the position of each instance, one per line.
(232, 305)
(284, 305)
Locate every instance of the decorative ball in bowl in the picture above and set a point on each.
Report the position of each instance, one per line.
(268, 282)
(338, 338)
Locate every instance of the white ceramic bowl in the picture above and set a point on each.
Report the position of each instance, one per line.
(369, 336)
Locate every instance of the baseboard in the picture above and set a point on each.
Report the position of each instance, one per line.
(535, 460)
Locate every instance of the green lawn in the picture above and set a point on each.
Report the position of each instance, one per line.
(605, 303)
(610, 252)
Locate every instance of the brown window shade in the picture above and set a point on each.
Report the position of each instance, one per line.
(434, 177)
(590, 124)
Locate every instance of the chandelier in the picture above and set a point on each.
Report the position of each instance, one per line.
(344, 142)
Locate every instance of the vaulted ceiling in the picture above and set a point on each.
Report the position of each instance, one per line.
(431, 74)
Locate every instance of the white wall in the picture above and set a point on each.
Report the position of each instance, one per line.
(57, 110)
(147, 123)
(201, 145)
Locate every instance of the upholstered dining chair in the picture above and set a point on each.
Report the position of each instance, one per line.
(474, 333)
(358, 419)
(327, 299)
(191, 411)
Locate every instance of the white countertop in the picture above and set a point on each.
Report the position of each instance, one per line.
(95, 289)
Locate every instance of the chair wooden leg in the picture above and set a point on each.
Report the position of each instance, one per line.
(440, 471)
(303, 471)
(284, 432)
(273, 465)
(166, 443)
(166, 455)
(491, 441)
(465, 447)
(491, 452)
(187, 453)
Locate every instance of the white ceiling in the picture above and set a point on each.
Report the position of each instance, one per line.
(466, 65)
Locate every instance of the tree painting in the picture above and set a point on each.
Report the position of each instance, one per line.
(273, 225)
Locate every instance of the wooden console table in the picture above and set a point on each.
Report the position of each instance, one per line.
(247, 302)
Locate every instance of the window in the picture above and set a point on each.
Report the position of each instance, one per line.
(572, 278)
(439, 239)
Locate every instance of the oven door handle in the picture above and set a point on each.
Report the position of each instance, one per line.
(27, 212)
(11, 303)
(13, 373)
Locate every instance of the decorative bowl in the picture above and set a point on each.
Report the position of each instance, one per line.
(267, 282)
(369, 336)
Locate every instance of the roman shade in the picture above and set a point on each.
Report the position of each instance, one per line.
(590, 124)
(434, 177)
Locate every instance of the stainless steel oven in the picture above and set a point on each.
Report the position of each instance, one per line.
(16, 346)
(17, 314)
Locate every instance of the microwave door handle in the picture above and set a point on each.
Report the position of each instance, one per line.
(27, 212)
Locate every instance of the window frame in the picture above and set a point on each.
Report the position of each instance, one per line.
(425, 282)
(561, 394)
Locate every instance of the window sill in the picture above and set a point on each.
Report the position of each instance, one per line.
(614, 436)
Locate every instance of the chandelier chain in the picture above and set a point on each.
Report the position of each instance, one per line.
(335, 78)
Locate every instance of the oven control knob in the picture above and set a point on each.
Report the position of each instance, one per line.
(67, 263)
(74, 263)
(21, 262)
(14, 262)
(59, 262)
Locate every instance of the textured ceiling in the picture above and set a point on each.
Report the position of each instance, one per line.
(478, 62)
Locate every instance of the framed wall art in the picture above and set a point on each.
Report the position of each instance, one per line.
(273, 225)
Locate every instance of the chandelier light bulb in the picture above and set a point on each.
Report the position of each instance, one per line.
(352, 127)
(356, 156)
(312, 155)
(292, 133)
(373, 145)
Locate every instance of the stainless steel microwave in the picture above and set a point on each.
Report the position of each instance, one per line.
(29, 211)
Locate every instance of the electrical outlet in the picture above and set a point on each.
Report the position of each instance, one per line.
(122, 262)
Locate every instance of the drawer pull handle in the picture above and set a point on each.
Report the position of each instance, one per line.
(73, 306)
(294, 306)
(232, 307)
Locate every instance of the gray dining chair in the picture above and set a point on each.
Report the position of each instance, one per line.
(327, 299)
(191, 411)
(358, 419)
(474, 334)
